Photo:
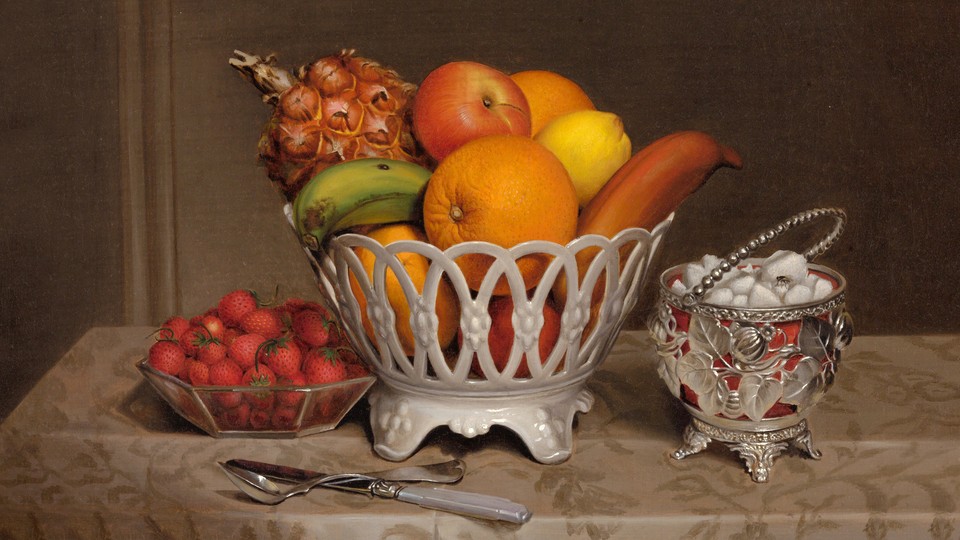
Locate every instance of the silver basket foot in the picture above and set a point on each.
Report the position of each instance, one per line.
(757, 449)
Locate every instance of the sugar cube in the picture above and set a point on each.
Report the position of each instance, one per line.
(784, 264)
(709, 262)
(822, 289)
(692, 274)
(739, 282)
(678, 287)
(798, 294)
(779, 280)
(720, 296)
(762, 297)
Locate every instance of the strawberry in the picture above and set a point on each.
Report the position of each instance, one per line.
(283, 417)
(348, 355)
(177, 325)
(332, 407)
(281, 355)
(243, 350)
(229, 400)
(259, 375)
(184, 373)
(197, 320)
(259, 419)
(291, 398)
(294, 305)
(233, 306)
(191, 340)
(211, 351)
(226, 373)
(198, 373)
(313, 327)
(166, 356)
(230, 334)
(262, 399)
(337, 337)
(263, 321)
(296, 379)
(214, 325)
(234, 417)
(356, 370)
(323, 366)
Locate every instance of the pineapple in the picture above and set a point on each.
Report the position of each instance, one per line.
(337, 108)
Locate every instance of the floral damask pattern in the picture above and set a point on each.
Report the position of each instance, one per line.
(93, 453)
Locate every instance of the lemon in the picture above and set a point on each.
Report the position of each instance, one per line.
(591, 145)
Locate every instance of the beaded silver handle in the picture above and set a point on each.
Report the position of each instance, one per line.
(693, 297)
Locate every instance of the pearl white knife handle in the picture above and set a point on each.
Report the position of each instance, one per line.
(465, 503)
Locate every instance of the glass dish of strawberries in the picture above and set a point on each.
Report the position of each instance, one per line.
(248, 368)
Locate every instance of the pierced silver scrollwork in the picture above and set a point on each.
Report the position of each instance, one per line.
(740, 369)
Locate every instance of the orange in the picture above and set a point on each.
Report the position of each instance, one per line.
(416, 266)
(550, 95)
(502, 189)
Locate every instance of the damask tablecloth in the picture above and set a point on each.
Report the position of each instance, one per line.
(92, 452)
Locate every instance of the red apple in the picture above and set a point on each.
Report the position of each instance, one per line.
(461, 101)
(501, 336)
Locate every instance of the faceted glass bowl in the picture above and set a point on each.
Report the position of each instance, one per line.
(275, 412)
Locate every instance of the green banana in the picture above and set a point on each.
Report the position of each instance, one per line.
(367, 191)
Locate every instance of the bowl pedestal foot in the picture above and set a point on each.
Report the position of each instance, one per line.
(757, 449)
(400, 418)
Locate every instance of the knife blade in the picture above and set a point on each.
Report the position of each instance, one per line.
(447, 472)
(477, 505)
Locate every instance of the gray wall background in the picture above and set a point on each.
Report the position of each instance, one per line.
(849, 104)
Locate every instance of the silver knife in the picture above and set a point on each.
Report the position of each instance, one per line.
(447, 472)
(464, 503)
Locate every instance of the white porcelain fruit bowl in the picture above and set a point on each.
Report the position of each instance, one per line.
(438, 386)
